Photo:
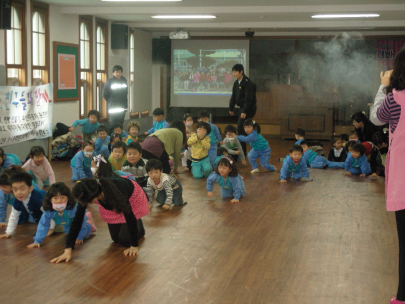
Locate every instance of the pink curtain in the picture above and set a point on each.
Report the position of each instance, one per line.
(386, 51)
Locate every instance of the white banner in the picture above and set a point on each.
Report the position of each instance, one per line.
(25, 113)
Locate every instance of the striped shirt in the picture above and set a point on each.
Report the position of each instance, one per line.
(167, 183)
(390, 111)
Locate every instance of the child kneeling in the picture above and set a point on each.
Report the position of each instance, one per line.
(227, 177)
(200, 144)
(295, 166)
(170, 191)
(356, 162)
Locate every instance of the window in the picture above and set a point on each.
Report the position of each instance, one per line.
(86, 60)
(40, 43)
(131, 67)
(101, 65)
(16, 63)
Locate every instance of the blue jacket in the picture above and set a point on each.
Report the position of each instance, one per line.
(237, 184)
(11, 159)
(87, 127)
(100, 143)
(116, 93)
(360, 162)
(34, 206)
(158, 125)
(215, 136)
(45, 222)
(290, 166)
(82, 165)
(309, 156)
(255, 140)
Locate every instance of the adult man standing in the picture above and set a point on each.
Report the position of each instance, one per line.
(244, 96)
(115, 92)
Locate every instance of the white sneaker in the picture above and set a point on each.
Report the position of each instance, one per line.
(255, 171)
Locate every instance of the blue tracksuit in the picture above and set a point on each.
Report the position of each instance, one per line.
(158, 125)
(215, 137)
(87, 127)
(260, 150)
(101, 147)
(357, 165)
(232, 186)
(81, 166)
(65, 220)
(318, 162)
(296, 170)
(11, 159)
(299, 141)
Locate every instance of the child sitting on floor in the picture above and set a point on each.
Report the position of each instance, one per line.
(295, 166)
(299, 135)
(118, 155)
(89, 125)
(160, 122)
(60, 205)
(200, 144)
(312, 159)
(39, 167)
(170, 191)
(232, 144)
(81, 162)
(260, 146)
(133, 129)
(118, 129)
(227, 177)
(102, 141)
(338, 152)
(135, 164)
(356, 162)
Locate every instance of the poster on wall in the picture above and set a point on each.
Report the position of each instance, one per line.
(67, 72)
(25, 113)
(386, 51)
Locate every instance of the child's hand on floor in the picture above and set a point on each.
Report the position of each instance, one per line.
(166, 206)
(34, 245)
(362, 175)
(131, 251)
(348, 173)
(283, 181)
(78, 242)
(50, 232)
(5, 236)
(374, 175)
(3, 224)
(210, 194)
(244, 162)
(234, 201)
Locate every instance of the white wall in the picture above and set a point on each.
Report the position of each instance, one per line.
(2, 49)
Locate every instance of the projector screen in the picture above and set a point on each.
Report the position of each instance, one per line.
(201, 73)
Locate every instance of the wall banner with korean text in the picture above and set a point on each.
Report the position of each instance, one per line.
(386, 51)
(25, 113)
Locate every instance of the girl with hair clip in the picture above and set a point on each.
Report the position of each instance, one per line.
(227, 177)
(60, 206)
(121, 203)
(260, 146)
(39, 167)
(81, 162)
(100, 168)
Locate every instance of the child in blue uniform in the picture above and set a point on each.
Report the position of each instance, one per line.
(295, 166)
(102, 141)
(81, 162)
(60, 205)
(89, 125)
(7, 160)
(160, 121)
(312, 159)
(215, 135)
(227, 177)
(299, 136)
(356, 162)
(260, 146)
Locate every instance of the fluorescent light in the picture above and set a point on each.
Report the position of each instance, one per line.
(184, 17)
(141, 0)
(346, 16)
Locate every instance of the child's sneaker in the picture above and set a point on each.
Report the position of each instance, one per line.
(90, 221)
(254, 171)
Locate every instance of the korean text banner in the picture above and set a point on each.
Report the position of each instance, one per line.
(25, 113)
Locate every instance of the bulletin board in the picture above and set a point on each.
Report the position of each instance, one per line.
(66, 71)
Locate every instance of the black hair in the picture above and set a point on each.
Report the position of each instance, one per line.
(296, 148)
(300, 132)
(54, 190)
(187, 115)
(359, 148)
(315, 143)
(238, 68)
(117, 68)
(133, 124)
(105, 170)
(230, 129)
(224, 161)
(87, 143)
(102, 128)
(203, 114)
(344, 137)
(204, 125)
(221, 151)
(158, 111)
(380, 137)
(397, 79)
(354, 132)
(335, 138)
(117, 125)
(36, 151)
(254, 124)
(7, 173)
(359, 117)
(120, 144)
(87, 189)
(94, 112)
(305, 142)
(2, 153)
(21, 177)
(135, 146)
(153, 164)
(350, 144)
(179, 125)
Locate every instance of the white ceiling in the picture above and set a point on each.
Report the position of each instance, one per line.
(234, 17)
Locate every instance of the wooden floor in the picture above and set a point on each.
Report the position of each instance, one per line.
(326, 242)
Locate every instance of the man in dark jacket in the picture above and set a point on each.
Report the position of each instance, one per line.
(244, 96)
(115, 92)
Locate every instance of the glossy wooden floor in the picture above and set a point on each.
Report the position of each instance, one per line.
(326, 242)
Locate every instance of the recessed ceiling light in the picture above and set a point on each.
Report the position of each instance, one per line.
(141, 0)
(346, 16)
(184, 17)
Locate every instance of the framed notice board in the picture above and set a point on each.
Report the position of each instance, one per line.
(66, 71)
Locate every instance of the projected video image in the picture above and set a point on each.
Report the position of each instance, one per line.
(205, 72)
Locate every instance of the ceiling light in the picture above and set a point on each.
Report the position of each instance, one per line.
(346, 16)
(184, 16)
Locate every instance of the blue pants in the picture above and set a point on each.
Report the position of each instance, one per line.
(295, 175)
(177, 196)
(319, 162)
(35, 180)
(264, 158)
(212, 153)
(357, 170)
(201, 168)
